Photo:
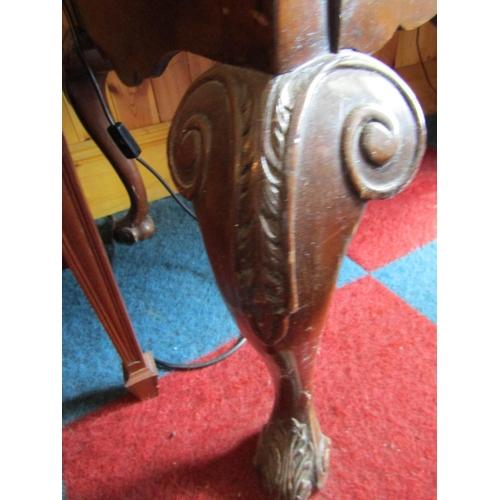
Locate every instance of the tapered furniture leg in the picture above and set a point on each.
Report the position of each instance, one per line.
(137, 224)
(84, 253)
(279, 170)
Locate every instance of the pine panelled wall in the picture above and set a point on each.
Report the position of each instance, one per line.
(147, 111)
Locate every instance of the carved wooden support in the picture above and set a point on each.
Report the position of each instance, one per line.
(84, 253)
(279, 170)
(136, 225)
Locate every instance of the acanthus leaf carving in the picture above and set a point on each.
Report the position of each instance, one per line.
(286, 459)
(266, 274)
(379, 158)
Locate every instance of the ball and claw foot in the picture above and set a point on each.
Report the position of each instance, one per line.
(127, 233)
(291, 464)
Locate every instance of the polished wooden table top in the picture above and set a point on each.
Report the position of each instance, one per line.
(139, 38)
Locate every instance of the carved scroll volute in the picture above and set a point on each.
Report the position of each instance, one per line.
(357, 134)
(212, 144)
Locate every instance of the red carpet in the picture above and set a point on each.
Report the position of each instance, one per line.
(375, 396)
(393, 228)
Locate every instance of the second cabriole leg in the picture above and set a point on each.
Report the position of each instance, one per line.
(137, 225)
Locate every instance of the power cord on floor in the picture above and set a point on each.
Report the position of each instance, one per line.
(131, 150)
(196, 366)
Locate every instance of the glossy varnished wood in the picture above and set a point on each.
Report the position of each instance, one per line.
(84, 253)
(139, 38)
(366, 25)
(279, 171)
(279, 149)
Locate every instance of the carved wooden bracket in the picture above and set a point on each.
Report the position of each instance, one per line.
(279, 171)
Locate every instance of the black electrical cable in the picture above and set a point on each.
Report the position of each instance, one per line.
(196, 366)
(81, 56)
(422, 63)
(127, 145)
(167, 187)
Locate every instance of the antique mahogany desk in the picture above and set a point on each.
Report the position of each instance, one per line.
(279, 148)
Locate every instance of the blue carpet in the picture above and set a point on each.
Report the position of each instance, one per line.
(413, 278)
(349, 272)
(174, 304)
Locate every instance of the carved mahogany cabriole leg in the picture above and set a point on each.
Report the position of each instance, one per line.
(137, 224)
(279, 167)
(84, 253)
(279, 170)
